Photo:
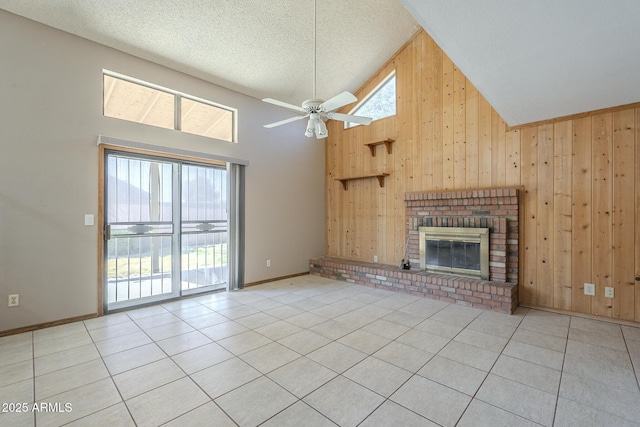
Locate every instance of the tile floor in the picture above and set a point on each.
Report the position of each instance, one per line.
(314, 352)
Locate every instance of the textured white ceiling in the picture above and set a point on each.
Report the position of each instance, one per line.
(263, 48)
(541, 59)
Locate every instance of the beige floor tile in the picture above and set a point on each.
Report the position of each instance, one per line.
(130, 359)
(337, 357)
(184, 342)
(225, 376)
(469, 355)
(378, 375)
(305, 341)
(600, 354)
(208, 414)
(84, 401)
(58, 331)
(502, 329)
(64, 359)
(531, 374)
(21, 391)
(306, 320)
(403, 356)
(538, 339)
(256, 320)
(157, 320)
(479, 413)
(457, 315)
(169, 330)
(344, 402)
(614, 342)
(141, 313)
(244, 342)
(392, 414)
(147, 377)
(16, 372)
(606, 373)
(386, 329)
(284, 311)
(531, 403)
(631, 333)
(223, 330)
(117, 330)
(43, 347)
(302, 376)
(66, 379)
(441, 329)
(237, 312)
(194, 311)
(124, 342)
(534, 354)
(405, 319)
(548, 317)
(181, 304)
(202, 357)
(613, 400)
(201, 322)
(423, 340)
(278, 330)
(570, 413)
(16, 340)
(482, 340)
(364, 341)
(165, 403)
(596, 326)
(15, 354)
(296, 415)
(328, 311)
(116, 415)
(433, 401)
(18, 419)
(269, 357)
(333, 329)
(267, 399)
(545, 327)
(452, 374)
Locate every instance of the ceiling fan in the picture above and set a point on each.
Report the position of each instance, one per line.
(316, 109)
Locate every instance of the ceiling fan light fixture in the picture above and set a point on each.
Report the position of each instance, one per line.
(310, 128)
(321, 129)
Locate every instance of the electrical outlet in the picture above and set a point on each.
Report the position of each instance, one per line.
(375, 258)
(268, 263)
(589, 289)
(608, 292)
(14, 300)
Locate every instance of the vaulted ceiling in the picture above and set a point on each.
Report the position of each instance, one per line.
(532, 60)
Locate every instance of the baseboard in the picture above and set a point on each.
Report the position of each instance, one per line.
(47, 324)
(275, 279)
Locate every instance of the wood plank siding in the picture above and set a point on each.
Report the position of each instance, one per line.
(580, 176)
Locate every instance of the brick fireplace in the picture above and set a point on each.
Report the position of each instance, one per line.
(496, 209)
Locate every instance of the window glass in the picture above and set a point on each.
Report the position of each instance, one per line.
(206, 120)
(140, 102)
(137, 103)
(380, 103)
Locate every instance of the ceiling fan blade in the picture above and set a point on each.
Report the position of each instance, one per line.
(338, 101)
(350, 118)
(285, 105)
(285, 121)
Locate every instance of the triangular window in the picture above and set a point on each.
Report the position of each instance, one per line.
(378, 104)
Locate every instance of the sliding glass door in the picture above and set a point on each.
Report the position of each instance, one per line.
(165, 229)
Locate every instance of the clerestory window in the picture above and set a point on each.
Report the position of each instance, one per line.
(379, 103)
(130, 99)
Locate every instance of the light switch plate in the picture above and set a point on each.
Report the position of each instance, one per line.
(88, 219)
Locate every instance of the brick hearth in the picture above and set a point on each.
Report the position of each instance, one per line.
(496, 209)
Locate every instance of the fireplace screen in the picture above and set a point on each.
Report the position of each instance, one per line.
(455, 250)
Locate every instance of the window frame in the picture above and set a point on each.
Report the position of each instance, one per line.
(177, 105)
(371, 94)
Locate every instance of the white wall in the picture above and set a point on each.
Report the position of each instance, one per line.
(50, 118)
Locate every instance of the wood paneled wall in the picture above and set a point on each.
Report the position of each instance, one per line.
(581, 178)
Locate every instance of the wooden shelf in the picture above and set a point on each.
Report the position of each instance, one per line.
(380, 177)
(372, 145)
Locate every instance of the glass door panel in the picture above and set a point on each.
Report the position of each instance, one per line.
(204, 228)
(140, 233)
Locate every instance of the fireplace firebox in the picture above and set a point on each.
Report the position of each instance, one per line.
(459, 251)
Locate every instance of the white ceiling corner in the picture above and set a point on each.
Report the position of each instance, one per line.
(542, 59)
